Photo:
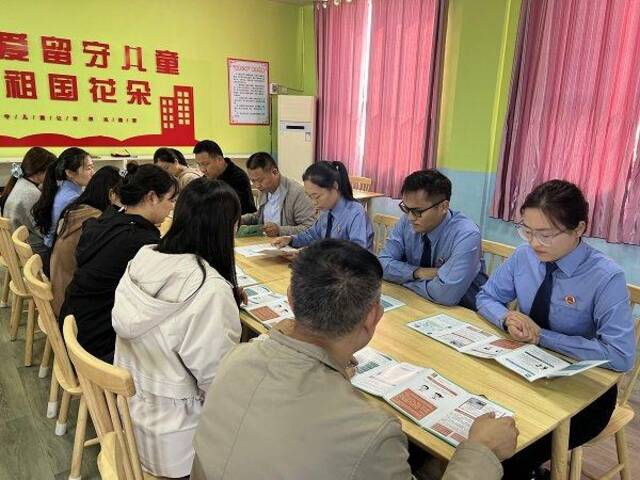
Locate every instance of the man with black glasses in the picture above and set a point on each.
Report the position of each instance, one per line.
(434, 251)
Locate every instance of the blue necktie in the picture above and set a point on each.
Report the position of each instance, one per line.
(542, 301)
(425, 259)
(329, 225)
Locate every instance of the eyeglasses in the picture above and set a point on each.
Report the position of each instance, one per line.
(528, 234)
(417, 212)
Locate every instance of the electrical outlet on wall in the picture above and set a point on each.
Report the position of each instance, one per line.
(274, 88)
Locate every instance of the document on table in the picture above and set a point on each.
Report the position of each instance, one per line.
(263, 249)
(432, 401)
(529, 361)
(267, 306)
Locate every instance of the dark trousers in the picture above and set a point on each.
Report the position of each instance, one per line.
(585, 426)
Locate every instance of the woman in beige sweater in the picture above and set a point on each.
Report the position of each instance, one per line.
(172, 161)
(101, 193)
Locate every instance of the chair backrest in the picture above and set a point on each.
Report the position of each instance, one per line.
(360, 183)
(8, 252)
(497, 253)
(628, 381)
(381, 226)
(106, 389)
(40, 289)
(23, 249)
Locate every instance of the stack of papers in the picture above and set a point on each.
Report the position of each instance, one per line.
(528, 361)
(390, 303)
(429, 399)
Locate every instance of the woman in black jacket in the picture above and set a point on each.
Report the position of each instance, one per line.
(107, 244)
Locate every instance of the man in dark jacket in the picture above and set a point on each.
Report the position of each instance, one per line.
(106, 246)
(214, 165)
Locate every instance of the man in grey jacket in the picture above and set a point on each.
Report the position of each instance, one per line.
(283, 206)
(282, 407)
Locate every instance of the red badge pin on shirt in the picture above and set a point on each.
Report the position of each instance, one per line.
(570, 299)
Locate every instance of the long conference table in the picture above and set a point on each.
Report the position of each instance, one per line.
(541, 407)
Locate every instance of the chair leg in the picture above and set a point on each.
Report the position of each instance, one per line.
(46, 360)
(78, 442)
(623, 454)
(16, 313)
(61, 424)
(28, 337)
(52, 406)
(4, 301)
(576, 464)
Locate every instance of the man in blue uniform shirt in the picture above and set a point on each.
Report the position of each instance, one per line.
(434, 251)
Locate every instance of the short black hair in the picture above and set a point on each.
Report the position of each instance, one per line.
(561, 201)
(209, 146)
(261, 160)
(164, 155)
(334, 283)
(431, 182)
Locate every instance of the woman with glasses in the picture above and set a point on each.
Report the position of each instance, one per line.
(573, 299)
(342, 217)
(433, 250)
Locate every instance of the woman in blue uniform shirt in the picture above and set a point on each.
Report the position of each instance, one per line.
(342, 217)
(572, 298)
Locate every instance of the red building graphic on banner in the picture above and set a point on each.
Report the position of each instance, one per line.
(176, 123)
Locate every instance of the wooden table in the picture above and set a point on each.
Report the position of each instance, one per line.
(540, 407)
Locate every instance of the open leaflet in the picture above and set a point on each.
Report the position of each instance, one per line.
(267, 306)
(244, 280)
(528, 361)
(264, 249)
(429, 399)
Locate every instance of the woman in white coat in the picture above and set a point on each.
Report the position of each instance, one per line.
(175, 316)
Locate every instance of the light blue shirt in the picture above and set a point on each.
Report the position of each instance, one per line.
(456, 251)
(590, 315)
(67, 193)
(273, 207)
(350, 222)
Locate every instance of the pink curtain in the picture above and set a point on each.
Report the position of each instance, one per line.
(340, 50)
(402, 92)
(575, 111)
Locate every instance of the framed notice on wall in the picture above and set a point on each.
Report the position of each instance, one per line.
(248, 92)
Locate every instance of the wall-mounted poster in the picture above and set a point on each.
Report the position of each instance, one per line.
(248, 92)
(84, 90)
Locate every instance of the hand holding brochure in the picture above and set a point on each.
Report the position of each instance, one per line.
(527, 360)
(433, 402)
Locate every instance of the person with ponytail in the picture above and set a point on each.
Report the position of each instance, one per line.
(23, 191)
(106, 245)
(173, 161)
(63, 183)
(175, 317)
(101, 193)
(342, 217)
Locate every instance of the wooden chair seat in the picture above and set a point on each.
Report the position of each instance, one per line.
(621, 417)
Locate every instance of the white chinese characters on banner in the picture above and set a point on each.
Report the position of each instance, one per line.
(248, 92)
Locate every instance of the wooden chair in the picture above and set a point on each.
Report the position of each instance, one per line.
(497, 252)
(106, 391)
(63, 373)
(19, 290)
(24, 251)
(360, 183)
(381, 226)
(621, 417)
(4, 298)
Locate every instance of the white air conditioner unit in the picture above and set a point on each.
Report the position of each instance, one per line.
(296, 134)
